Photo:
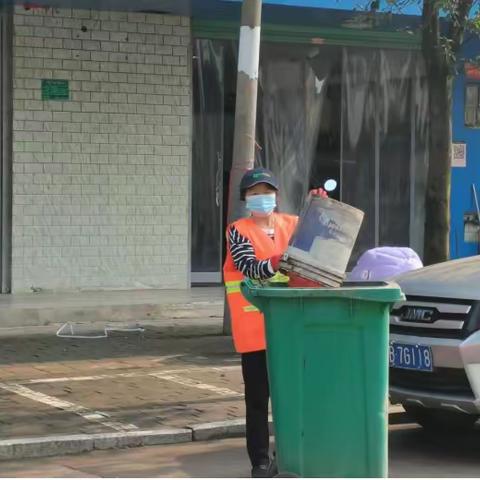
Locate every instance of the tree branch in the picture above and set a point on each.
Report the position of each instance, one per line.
(459, 21)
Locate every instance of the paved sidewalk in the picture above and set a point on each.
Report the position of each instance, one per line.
(150, 307)
(125, 382)
(68, 395)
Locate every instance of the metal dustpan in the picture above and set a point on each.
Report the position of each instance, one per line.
(323, 242)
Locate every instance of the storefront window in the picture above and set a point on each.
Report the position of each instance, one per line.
(354, 115)
(472, 106)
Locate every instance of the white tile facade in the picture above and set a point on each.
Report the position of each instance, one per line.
(101, 181)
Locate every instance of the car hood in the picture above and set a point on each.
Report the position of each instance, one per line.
(455, 279)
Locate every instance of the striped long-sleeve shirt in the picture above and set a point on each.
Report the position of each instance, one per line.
(243, 255)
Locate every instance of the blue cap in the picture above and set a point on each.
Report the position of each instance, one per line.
(254, 177)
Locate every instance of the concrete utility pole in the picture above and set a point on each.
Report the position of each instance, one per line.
(245, 111)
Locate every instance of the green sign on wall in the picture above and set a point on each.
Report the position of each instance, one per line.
(55, 90)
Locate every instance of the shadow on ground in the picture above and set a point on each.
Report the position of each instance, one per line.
(416, 453)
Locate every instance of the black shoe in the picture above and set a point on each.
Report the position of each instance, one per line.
(273, 469)
(261, 471)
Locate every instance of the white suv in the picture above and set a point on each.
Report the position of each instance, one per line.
(435, 345)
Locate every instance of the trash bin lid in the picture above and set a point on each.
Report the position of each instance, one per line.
(387, 292)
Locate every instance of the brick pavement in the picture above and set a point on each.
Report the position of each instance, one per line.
(125, 383)
(50, 385)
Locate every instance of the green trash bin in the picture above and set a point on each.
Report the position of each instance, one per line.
(327, 353)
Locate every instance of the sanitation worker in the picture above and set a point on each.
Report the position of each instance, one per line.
(255, 246)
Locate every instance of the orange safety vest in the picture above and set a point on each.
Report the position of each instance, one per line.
(247, 321)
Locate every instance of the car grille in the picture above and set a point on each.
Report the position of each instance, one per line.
(451, 381)
(434, 317)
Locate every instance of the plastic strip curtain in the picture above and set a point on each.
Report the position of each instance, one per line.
(395, 146)
(290, 105)
(322, 110)
(383, 131)
(403, 149)
(359, 139)
(420, 155)
(384, 145)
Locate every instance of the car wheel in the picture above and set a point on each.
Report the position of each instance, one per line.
(440, 420)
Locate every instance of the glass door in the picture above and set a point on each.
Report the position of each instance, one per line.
(207, 162)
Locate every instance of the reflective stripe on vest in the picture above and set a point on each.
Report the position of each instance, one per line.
(247, 321)
(233, 287)
(250, 308)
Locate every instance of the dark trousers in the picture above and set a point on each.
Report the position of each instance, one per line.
(257, 394)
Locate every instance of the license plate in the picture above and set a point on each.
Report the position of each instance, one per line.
(411, 357)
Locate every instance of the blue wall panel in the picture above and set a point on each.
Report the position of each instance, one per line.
(463, 178)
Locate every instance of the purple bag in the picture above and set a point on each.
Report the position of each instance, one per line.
(383, 263)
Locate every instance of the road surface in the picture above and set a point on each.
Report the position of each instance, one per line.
(412, 454)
